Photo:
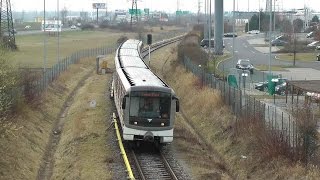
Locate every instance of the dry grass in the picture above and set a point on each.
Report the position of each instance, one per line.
(214, 122)
(263, 67)
(82, 152)
(307, 57)
(31, 49)
(23, 141)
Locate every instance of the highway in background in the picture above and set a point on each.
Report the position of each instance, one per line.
(245, 50)
(28, 32)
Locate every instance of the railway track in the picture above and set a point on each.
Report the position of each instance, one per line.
(151, 164)
(159, 45)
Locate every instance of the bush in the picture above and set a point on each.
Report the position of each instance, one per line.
(104, 24)
(87, 27)
(308, 134)
(190, 47)
(9, 86)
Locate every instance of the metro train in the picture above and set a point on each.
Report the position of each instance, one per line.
(146, 105)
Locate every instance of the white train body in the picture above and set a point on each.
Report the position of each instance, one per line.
(146, 105)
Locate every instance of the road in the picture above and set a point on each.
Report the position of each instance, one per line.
(245, 50)
(27, 32)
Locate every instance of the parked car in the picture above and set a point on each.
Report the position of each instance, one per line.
(280, 89)
(27, 27)
(245, 64)
(318, 47)
(310, 34)
(278, 42)
(230, 34)
(73, 27)
(261, 86)
(205, 43)
(253, 32)
(313, 44)
(280, 85)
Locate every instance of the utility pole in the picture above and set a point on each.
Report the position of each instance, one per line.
(199, 8)
(274, 18)
(134, 6)
(233, 29)
(270, 29)
(259, 17)
(205, 19)
(294, 42)
(248, 18)
(214, 68)
(58, 33)
(7, 33)
(44, 38)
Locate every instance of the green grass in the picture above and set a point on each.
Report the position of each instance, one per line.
(264, 67)
(305, 57)
(31, 47)
(34, 26)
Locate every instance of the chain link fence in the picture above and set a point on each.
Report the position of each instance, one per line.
(39, 81)
(280, 124)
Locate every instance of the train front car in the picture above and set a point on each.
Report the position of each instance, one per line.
(146, 105)
(149, 113)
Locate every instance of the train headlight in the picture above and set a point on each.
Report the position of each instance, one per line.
(162, 124)
(135, 123)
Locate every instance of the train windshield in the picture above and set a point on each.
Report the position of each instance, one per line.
(150, 105)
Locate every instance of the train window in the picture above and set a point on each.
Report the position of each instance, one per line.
(150, 107)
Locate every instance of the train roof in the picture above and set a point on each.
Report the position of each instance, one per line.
(142, 77)
(128, 61)
(129, 52)
(131, 44)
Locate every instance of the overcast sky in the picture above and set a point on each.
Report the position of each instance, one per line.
(162, 5)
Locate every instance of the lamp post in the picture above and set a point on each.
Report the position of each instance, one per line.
(214, 67)
(270, 29)
(44, 37)
(233, 29)
(244, 75)
(201, 75)
(259, 17)
(248, 18)
(58, 34)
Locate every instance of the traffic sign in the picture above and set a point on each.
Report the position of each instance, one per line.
(135, 11)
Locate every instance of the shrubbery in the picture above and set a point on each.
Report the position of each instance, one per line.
(9, 86)
(87, 26)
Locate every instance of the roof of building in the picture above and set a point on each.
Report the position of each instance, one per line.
(308, 86)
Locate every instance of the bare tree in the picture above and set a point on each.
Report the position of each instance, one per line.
(298, 25)
(286, 26)
(64, 12)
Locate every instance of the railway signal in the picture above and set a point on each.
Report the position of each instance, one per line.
(149, 42)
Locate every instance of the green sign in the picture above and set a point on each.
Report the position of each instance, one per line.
(232, 81)
(135, 11)
(182, 12)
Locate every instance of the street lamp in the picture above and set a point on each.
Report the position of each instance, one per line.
(259, 17)
(248, 18)
(233, 29)
(58, 33)
(44, 37)
(201, 75)
(244, 74)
